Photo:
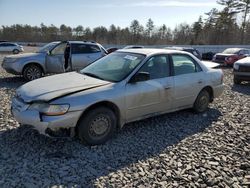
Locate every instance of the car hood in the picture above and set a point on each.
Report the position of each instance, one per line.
(24, 55)
(210, 64)
(244, 61)
(225, 55)
(51, 87)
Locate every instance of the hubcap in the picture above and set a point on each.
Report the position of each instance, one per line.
(99, 126)
(203, 102)
(33, 73)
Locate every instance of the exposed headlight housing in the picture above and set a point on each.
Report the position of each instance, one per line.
(236, 66)
(50, 109)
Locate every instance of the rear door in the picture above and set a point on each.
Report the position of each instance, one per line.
(55, 59)
(84, 54)
(147, 98)
(188, 80)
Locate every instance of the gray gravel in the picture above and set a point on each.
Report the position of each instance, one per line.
(180, 149)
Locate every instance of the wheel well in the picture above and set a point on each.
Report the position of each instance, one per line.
(209, 89)
(33, 63)
(106, 104)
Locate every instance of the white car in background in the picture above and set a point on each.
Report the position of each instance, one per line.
(11, 47)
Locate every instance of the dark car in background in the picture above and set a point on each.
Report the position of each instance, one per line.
(208, 56)
(231, 55)
(193, 51)
(242, 70)
(112, 49)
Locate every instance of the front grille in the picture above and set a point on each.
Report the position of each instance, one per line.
(220, 58)
(244, 68)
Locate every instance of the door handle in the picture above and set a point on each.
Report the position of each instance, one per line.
(167, 87)
(200, 82)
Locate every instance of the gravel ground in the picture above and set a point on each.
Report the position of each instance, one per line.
(180, 149)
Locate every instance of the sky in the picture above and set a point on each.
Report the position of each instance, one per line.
(93, 13)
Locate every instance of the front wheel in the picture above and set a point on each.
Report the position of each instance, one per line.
(16, 51)
(32, 72)
(202, 101)
(97, 126)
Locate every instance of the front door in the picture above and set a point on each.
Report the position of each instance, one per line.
(55, 59)
(148, 98)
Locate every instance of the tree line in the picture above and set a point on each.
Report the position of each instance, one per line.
(231, 25)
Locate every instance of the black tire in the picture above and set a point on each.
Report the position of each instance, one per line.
(16, 51)
(202, 101)
(32, 72)
(236, 80)
(89, 130)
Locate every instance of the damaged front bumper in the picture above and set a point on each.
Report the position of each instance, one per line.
(44, 124)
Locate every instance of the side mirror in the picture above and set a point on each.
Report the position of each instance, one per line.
(139, 77)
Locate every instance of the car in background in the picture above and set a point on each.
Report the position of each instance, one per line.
(11, 47)
(122, 87)
(231, 55)
(133, 47)
(241, 70)
(193, 51)
(51, 59)
(208, 56)
(112, 49)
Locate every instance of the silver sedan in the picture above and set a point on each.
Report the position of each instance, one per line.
(125, 86)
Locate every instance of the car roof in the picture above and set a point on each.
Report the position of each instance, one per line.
(9, 43)
(82, 42)
(179, 48)
(150, 51)
(237, 49)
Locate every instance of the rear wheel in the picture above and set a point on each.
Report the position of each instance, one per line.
(202, 101)
(97, 126)
(32, 72)
(237, 80)
(15, 51)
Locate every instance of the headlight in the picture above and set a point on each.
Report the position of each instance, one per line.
(10, 60)
(236, 66)
(50, 109)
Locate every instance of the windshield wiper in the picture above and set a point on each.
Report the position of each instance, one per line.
(92, 75)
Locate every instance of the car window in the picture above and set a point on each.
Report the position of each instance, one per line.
(84, 49)
(184, 64)
(157, 67)
(114, 67)
(245, 52)
(94, 49)
(59, 49)
(79, 49)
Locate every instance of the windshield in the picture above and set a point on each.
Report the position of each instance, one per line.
(230, 51)
(47, 47)
(114, 67)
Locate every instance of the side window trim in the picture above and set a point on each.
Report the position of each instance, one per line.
(167, 56)
(189, 57)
